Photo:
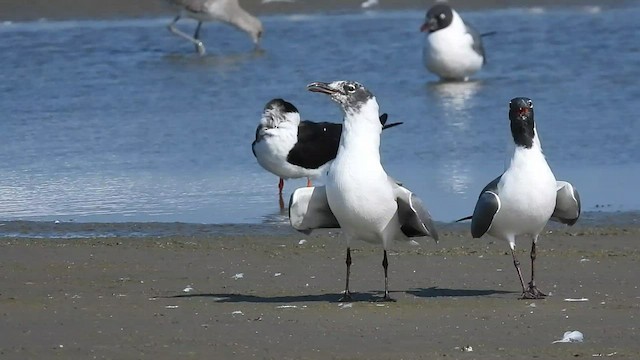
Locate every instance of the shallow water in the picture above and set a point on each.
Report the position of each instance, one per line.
(114, 121)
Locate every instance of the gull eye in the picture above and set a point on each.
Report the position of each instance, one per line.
(443, 16)
(349, 88)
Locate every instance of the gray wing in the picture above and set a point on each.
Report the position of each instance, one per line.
(477, 41)
(309, 209)
(568, 206)
(486, 209)
(414, 218)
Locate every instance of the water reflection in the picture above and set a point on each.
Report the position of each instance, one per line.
(222, 61)
(456, 100)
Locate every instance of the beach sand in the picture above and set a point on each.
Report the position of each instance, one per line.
(94, 9)
(124, 298)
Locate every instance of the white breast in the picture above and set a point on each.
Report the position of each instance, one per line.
(527, 193)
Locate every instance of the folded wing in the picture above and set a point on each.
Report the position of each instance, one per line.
(309, 209)
(568, 206)
(414, 218)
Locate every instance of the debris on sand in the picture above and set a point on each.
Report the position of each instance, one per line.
(571, 336)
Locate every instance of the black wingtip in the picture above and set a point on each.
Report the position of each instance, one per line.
(385, 127)
(465, 218)
(490, 33)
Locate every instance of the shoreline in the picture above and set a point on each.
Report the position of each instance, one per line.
(19, 10)
(27, 229)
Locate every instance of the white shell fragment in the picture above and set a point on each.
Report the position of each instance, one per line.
(571, 336)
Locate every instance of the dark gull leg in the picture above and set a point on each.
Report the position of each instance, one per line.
(385, 265)
(516, 263)
(346, 297)
(197, 43)
(533, 292)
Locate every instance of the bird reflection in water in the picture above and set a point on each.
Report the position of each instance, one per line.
(457, 101)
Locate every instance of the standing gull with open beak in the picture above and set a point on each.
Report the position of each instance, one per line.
(359, 196)
(526, 196)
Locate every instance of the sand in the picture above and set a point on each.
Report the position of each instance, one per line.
(125, 298)
(96, 9)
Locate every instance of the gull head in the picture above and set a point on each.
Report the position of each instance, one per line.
(522, 124)
(279, 111)
(438, 17)
(350, 95)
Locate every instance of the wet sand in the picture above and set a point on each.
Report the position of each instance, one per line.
(124, 298)
(93, 9)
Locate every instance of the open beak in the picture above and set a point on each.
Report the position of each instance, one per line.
(523, 111)
(321, 88)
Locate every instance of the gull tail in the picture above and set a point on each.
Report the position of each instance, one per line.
(465, 218)
(385, 127)
(383, 120)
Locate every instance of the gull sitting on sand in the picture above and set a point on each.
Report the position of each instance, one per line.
(526, 196)
(291, 148)
(228, 11)
(359, 196)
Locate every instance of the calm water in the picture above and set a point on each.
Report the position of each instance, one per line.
(114, 121)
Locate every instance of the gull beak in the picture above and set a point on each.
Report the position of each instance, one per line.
(523, 111)
(322, 88)
(429, 25)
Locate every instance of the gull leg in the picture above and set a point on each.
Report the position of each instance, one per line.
(533, 292)
(346, 297)
(309, 182)
(516, 263)
(385, 265)
(197, 43)
(280, 187)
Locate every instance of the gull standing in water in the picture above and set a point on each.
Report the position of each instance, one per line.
(526, 196)
(228, 11)
(359, 196)
(452, 50)
(289, 147)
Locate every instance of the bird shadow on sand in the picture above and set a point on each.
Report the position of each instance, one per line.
(438, 292)
(334, 297)
(238, 298)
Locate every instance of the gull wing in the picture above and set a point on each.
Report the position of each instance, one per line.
(309, 209)
(486, 209)
(477, 40)
(414, 218)
(568, 206)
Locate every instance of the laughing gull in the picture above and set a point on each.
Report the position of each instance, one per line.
(228, 11)
(359, 196)
(452, 50)
(290, 148)
(526, 196)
